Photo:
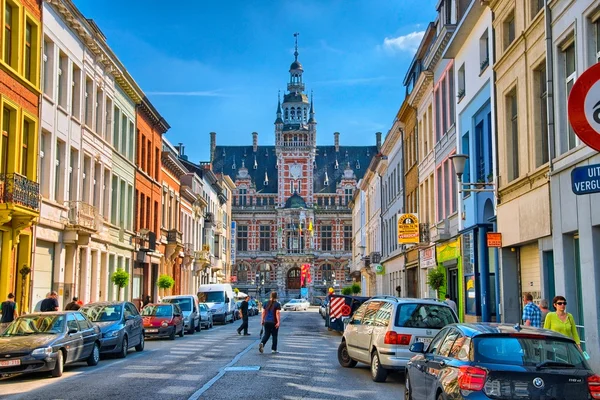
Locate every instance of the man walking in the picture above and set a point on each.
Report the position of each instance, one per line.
(74, 305)
(50, 304)
(544, 309)
(451, 303)
(244, 311)
(9, 309)
(532, 316)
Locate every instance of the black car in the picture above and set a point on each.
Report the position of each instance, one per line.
(499, 361)
(120, 323)
(47, 341)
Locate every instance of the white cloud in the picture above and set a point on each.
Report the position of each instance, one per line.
(409, 42)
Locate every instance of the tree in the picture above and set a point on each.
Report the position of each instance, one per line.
(355, 288)
(120, 278)
(436, 279)
(236, 290)
(347, 290)
(165, 282)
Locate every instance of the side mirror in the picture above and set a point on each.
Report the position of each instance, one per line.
(72, 331)
(417, 347)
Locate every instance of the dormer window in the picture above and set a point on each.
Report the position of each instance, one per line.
(336, 165)
(266, 182)
(357, 164)
(314, 165)
(292, 187)
(255, 166)
(326, 182)
(233, 166)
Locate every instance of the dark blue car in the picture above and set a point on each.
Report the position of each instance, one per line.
(502, 362)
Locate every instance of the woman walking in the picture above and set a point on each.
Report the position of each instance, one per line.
(561, 321)
(270, 319)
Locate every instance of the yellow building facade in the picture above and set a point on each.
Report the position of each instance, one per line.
(20, 90)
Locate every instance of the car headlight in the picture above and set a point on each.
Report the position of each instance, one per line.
(43, 351)
(164, 324)
(110, 334)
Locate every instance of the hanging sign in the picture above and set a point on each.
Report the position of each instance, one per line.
(494, 239)
(408, 228)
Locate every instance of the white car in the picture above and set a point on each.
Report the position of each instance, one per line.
(296, 305)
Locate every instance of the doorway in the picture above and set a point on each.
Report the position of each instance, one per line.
(452, 287)
(293, 279)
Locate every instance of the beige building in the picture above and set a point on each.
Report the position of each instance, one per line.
(522, 124)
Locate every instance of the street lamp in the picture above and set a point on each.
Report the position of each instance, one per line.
(459, 161)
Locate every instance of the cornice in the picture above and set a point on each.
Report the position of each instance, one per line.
(421, 87)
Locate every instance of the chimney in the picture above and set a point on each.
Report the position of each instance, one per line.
(180, 151)
(213, 145)
(254, 141)
(378, 140)
(336, 141)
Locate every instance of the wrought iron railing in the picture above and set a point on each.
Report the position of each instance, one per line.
(16, 188)
(82, 214)
(174, 237)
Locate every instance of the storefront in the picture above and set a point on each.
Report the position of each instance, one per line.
(426, 264)
(448, 256)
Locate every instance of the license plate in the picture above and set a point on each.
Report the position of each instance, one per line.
(152, 330)
(425, 340)
(10, 363)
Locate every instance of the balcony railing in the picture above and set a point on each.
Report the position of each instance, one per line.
(174, 237)
(209, 220)
(83, 215)
(17, 189)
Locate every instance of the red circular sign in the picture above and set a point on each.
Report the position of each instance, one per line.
(584, 107)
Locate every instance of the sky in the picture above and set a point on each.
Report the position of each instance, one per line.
(218, 66)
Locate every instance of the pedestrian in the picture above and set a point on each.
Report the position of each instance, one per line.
(9, 309)
(146, 301)
(532, 316)
(244, 311)
(561, 321)
(451, 303)
(270, 319)
(74, 305)
(544, 310)
(50, 304)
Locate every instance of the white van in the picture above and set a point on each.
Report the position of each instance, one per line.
(220, 298)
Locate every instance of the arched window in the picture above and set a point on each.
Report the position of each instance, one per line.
(327, 274)
(242, 273)
(264, 272)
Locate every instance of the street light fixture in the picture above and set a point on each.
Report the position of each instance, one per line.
(459, 161)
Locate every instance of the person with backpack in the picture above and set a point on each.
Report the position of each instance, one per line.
(270, 320)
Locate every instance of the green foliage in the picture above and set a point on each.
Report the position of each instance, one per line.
(120, 278)
(347, 290)
(165, 282)
(436, 278)
(236, 290)
(355, 288)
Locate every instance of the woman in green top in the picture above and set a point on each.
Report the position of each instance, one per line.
(561, 321)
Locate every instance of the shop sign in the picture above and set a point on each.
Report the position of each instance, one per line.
(494, 239)
(408, 228)
(427, 257)
(448, 251)
(379, 269)
(586, 179)
(233, 242)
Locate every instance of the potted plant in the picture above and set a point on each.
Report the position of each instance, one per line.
(347, 290)
(355, 288)
(165, 282)
(120, 278)
(436, 278)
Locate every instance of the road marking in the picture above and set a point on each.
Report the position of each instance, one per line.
(248, 368)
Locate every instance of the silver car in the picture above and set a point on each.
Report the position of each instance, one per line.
(189, 307)
(296, 305)
(382, 329)
(206, 317)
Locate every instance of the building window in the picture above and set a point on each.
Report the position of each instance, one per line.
(536, 6)
(509, 29)
(27, 62)
(115, 200)
(124, 123)
(570, 74)
(116, 125)
(348, 193)
(347, 237)
(461, 86)
(48, 60)
(484, 52)
(27, 130)
(11, 31)
(512, 137)
(63, 79)
(265, 238)
(326, 237)
(76, 92)
(141, 162)
(541, 117)
(242, 238)
(327, 274)
(242, 197)
(99, 110)
(107, 194)
(108, 110)
(438, 113)
(89, 102)
(59, 172)
(440, 193)
(73, 173)
(148, 157)
(7, 124)
(450, 99)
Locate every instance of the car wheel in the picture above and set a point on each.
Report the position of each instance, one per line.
(407, 389)
(172, 335)
(378, 373)
(441, 397)
(182, 331)
(344, 358)
(58, 368)
(140, 345)
(124, 347)
(192, 328)
(94, 356)
(199, 327)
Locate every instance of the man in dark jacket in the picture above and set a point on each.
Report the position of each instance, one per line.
(9, 309)
(74, 305)
(244, 311)
(50, 303)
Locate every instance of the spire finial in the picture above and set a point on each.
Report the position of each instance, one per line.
(296, 46)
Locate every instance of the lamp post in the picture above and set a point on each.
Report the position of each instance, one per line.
(459, 161)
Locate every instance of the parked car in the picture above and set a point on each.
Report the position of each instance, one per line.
(296, 305)
(382, 329)
(189, 306)
(323, 308)
(47, 342)
(499, 361)
(220, 298)
(163, 319)
(252, 308)
(120, 323)
(206, 317)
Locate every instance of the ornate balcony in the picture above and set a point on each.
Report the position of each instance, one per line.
(18, 190)
(174, 237)
(220, 228)
(188, 249)
(82, 216)
(217, 264)
(209, 220)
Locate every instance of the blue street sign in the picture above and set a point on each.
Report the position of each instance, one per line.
(586, 180)
(304, 292)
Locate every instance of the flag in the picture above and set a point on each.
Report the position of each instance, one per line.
(300, 228)
(310, 227)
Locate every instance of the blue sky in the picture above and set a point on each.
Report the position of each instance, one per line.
(217, 66)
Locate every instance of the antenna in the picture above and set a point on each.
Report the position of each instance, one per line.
(296, 47)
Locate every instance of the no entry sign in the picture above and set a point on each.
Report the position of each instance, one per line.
(584, 107)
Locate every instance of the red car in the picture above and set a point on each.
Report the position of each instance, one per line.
(163, 319)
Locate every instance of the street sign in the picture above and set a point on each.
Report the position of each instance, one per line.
(494, 239)
(379, 269)
(584, 107)
(304, 292)
(408, 228)
(586, 179)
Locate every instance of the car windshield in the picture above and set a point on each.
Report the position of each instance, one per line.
(157, 311)
(103, 313)
(211, 297)
(431, 316)
(36, 325)
(527, 351)
(295, 301)
(184, 303)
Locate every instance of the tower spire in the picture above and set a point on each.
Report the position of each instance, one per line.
(296, 34)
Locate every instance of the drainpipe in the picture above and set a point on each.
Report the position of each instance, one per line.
(549, 87)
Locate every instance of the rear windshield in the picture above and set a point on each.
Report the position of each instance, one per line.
(526, 351)
(430, 316)
(102, 313)
(184, 303)
(157, 311)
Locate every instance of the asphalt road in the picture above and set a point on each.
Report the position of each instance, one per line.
(218, 364)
